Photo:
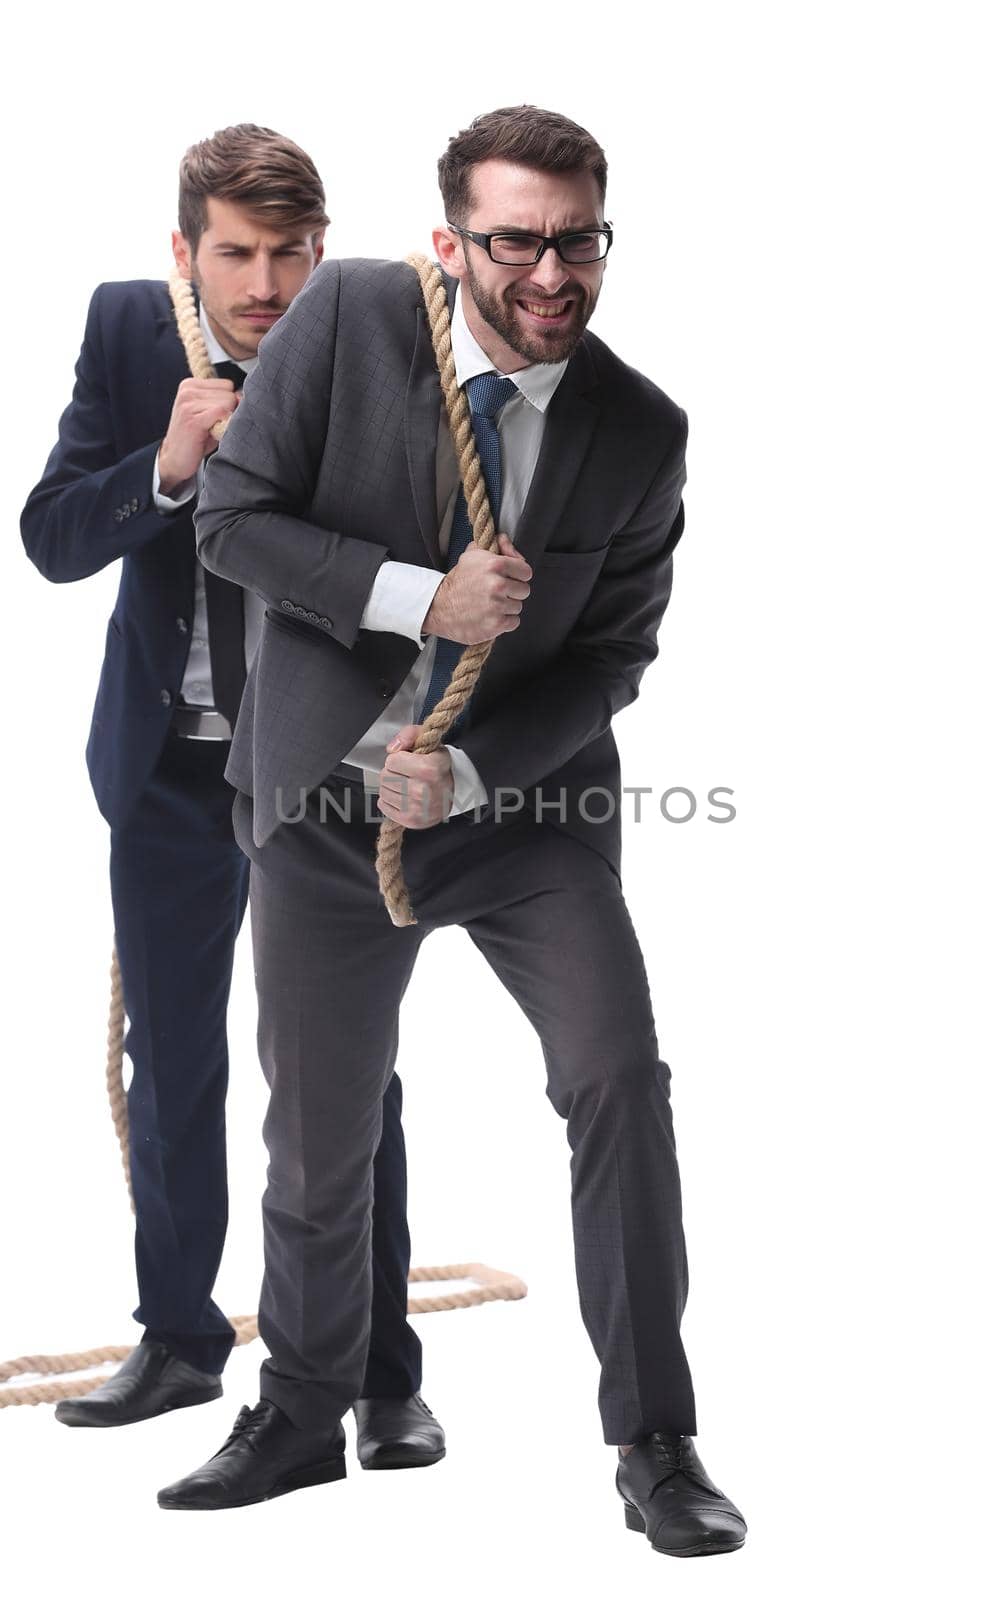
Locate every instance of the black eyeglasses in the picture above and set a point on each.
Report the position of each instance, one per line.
(525, 249)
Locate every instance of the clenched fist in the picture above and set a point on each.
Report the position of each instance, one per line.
(482, 596)
(198, 404)
(415, 791)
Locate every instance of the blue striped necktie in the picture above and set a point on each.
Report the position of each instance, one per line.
(486, 395)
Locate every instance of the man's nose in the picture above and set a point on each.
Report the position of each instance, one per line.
(550, 273)
(263, 284)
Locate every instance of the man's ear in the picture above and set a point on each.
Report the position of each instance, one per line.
(319, 247)
(449, 248)
(182, 254)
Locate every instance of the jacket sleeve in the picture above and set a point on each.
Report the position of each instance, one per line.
(92, 504)
(599, 668)
(250, 523)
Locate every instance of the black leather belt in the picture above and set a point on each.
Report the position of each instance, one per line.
(199, 722)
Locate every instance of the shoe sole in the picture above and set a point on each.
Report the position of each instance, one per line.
(307, 1478)
(147, 1416)
(721, 1546)
(389, 1461)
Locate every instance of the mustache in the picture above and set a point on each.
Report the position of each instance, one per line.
(516, 292)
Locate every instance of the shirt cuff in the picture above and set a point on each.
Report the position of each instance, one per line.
(468, 790)
(400, 599)
(170, 502)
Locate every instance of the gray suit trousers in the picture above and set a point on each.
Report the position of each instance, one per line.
(548, 914)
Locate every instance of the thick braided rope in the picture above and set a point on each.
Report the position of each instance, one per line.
(491, 1283)
(190, 334)
(113, 1071)
(468, 669)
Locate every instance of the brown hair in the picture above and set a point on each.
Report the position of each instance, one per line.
(524, 134)
(254, 167)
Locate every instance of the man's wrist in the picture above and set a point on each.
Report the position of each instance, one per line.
(170, 491)
(167, 480)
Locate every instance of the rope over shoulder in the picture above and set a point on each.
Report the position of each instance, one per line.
(462, 684)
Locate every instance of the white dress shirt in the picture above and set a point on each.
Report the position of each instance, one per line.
(402, 593)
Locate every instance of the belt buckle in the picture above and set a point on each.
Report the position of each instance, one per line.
(195, 722)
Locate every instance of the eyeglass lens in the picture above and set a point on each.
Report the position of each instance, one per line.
(520, 249)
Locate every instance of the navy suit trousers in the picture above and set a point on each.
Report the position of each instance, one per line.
(179, 890)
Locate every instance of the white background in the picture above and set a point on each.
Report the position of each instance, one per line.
(806, 200)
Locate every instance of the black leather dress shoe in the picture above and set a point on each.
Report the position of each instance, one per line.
(264, 1456)
(149, 1382)
(393, 1432)
(668, 1495)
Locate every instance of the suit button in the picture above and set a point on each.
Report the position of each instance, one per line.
(181, 624)
(312, 616)
(325, 622)
(134, 505)
(300, 611)
(384, 689)
(117, 514)
(287, 605)
(165, 697)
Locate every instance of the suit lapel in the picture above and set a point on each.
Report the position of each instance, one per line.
(423, 404)
(169, 365)
(568, 432)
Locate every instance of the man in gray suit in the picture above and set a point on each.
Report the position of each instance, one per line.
(334, 496)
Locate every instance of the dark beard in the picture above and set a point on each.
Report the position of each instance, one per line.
(502, 317)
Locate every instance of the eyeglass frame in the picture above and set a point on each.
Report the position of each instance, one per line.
(546, 243)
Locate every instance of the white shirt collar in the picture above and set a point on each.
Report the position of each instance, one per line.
(215, 350)
(536, 384)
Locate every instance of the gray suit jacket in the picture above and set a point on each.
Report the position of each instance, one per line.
(328, 468)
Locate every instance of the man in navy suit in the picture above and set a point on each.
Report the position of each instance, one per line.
(122, 483)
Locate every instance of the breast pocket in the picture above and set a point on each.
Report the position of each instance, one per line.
(559, 591)
(561, 584)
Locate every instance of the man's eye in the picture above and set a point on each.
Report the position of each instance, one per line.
(516, 248)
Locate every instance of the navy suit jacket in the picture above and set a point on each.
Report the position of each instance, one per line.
(94, 505)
